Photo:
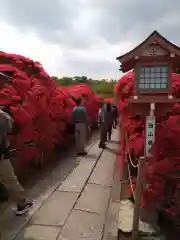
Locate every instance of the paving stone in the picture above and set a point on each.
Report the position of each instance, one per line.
(33, 232)
(116, 185)
(83, 226)
(95, 198)
(56, 209)
(77, 179)
(111, 229)
(40, 193)
(103, 172)
(115, 136)
(94, 153)
(112, 238)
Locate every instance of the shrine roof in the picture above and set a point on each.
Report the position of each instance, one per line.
(154, 38)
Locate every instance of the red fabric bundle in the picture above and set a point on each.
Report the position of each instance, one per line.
(163, 171)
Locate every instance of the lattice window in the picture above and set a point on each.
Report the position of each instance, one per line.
(153, 78)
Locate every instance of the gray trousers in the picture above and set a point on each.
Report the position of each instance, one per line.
(80, 136)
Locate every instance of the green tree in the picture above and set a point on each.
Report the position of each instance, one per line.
(101, 87)
(82, 79)
(64, 81)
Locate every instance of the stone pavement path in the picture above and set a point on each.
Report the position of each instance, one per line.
(111, 228)
(75, 209)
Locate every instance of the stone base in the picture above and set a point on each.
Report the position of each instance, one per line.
(126, 220)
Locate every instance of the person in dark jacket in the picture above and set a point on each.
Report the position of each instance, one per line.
(115, 116)
(106, 127)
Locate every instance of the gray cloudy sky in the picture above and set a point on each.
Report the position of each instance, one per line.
(83, 37)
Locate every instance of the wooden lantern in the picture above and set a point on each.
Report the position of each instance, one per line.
(153, 62)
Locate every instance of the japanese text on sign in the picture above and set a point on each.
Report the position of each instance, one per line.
(150, 134)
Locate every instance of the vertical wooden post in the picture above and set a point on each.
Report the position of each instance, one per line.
(135, 227)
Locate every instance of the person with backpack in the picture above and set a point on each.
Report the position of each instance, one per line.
(7, 174)
(80, 120)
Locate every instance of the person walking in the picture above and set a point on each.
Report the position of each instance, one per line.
(80, 120)
(106, 127)
(7, 175)
(101, 115)
(115, 116)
